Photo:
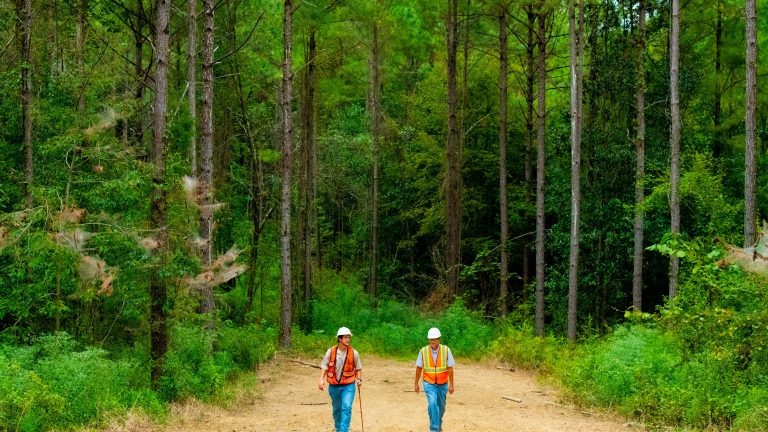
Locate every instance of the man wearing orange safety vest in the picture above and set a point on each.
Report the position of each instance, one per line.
(436, 362)
(342, 369)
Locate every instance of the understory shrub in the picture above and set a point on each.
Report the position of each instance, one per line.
(54, 384)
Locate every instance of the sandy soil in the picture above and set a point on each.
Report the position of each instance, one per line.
(290, 401)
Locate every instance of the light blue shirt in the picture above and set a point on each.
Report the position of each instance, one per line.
(449, 363)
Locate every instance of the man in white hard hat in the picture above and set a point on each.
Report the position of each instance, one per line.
(342, 369)
(436, 362)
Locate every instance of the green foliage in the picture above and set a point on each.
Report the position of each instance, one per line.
(699, 362)
(53, 384)
(247, 346)
(519, 346)
(192, 367)
(393, 328)
(623, 370)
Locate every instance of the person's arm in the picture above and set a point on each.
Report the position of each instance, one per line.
(321, 383)
(450, 380)
(416, 379)
(323, 370)
(358, 369)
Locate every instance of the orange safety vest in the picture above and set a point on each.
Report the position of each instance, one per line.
(347, 374)
(435, 372)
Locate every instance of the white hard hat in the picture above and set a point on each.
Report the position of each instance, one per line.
(343, 331)
(433, 333)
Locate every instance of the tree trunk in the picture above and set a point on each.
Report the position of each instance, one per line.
(24, 13)
(637, 273)
(192, 82)
(504, 276)
(453, 171)
(287, 161)
(717, 145)
(309, 167)
(750, 167)
(540, 166)
(576, 47)
(158, 216)
(206, 151)
(529, 131)
(376, 132)
(674, 69)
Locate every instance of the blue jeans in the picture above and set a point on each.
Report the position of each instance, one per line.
(436, 395)
(342, 397)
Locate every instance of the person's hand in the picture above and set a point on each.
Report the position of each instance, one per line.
(321, 385)
(359, 382)
(450, 388)
(416, 388)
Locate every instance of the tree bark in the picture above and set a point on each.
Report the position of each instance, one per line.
(24, 12)
(206, 151)
(192, 82)
(376, 132)
(637, 272)
(540, 167)
(309, 167)
(453, 171)
(576, 47)
(503, 100)
(529, 131)
(750, 121)
(674, 71)
(158, 216)
(287, 161)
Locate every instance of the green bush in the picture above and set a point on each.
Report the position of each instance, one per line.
(192, 367)
(247, 346)
(521, 347)
(53, 384)
(632, 361)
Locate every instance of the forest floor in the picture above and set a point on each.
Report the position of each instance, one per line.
(288, 400)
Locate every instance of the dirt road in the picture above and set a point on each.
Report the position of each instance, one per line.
(290, 401)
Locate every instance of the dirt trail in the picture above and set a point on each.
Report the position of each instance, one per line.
(290, 401)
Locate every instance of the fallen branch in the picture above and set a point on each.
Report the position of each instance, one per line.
(513, 399)
(511, 369)
(306, 364)
(314, 403)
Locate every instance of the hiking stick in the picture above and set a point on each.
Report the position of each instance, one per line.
(360, 398)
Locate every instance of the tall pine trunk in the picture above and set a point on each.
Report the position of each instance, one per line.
(674, 71)
(529, 131)
(504, 275)
(453, 159)
(206, 151)
(637, 272)
(287, 161)
(24, 12)
(158, 208)
(309, 168)
(376, 132)
(750, 168)
(576, 60)
(540, 166)
(192, 82)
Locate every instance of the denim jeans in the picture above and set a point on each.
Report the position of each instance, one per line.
(342, 397)
(436, 395)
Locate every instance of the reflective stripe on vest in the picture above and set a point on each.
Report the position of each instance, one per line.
(435, 372)
(347, 373)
